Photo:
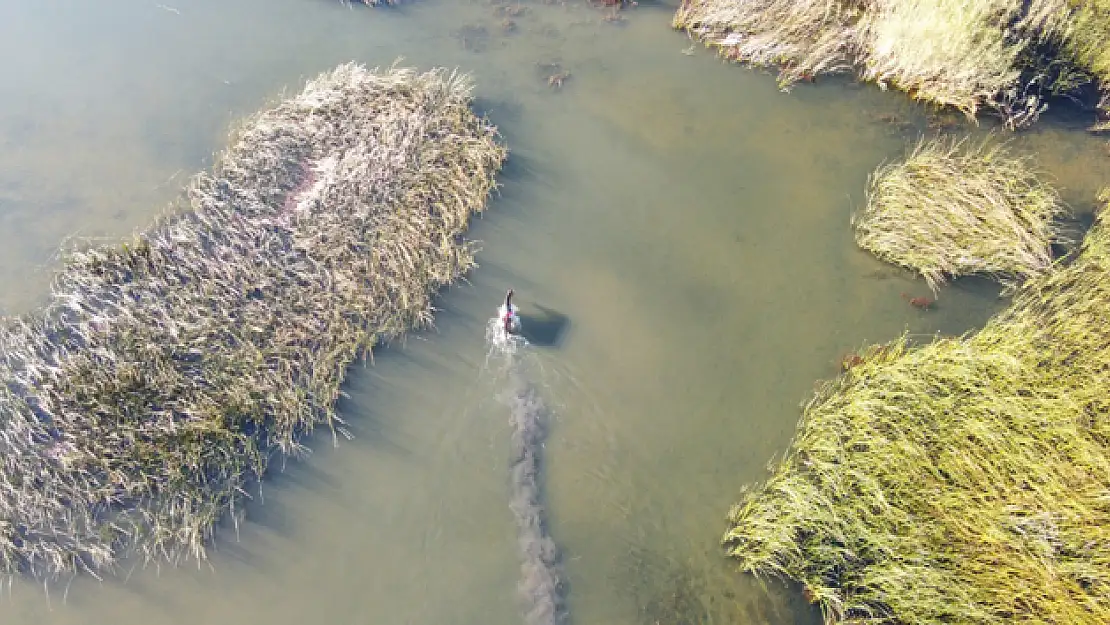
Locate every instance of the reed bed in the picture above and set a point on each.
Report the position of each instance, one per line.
(961, 55)
(968, 54)
(956, 207)
(963, 481)
(166, 373)
(802, 38)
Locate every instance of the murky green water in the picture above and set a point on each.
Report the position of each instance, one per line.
(689, 221)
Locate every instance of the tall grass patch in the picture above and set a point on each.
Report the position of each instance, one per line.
(1004, 56)
(962, 481)
(956, 207)
(166, 373)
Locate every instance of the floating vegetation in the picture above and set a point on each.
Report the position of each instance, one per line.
(554, 74)
(1006, 55)
(556, 80)
(954, 207)
(963, 481)
(165, 373)
(510, 10)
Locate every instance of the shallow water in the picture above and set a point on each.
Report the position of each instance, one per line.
(681, 221)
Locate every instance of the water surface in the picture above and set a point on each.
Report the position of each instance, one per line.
(687, 220)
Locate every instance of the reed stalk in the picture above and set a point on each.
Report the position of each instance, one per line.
(165, 373)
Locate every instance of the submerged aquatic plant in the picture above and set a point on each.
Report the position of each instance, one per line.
(963, 481)
(955, 207)
(165, 373)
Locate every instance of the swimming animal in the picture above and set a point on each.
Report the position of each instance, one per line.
(923, 303)
(510, 321)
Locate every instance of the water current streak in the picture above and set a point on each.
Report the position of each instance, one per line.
(541, 582)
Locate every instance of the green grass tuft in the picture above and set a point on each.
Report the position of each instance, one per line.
(954, 208)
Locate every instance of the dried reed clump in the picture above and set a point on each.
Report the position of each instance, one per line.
(166, 372)
(967, 54)
(954, 208)
(964, 481)
(951, 52)
(802, 37)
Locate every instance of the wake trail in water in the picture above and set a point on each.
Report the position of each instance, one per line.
(541, 582)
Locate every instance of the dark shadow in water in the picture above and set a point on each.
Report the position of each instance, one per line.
(546, 329)
(1074, 230)
(1076, 112)
(977, 286)
(522, 175)
(963, 306)
(364, 418)
(267, 506)
(493, 278)
(499, 110)
(264, 511)
(270, 504)
(661, 6)
(403, 358)
(519, 173)
(302, 473)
